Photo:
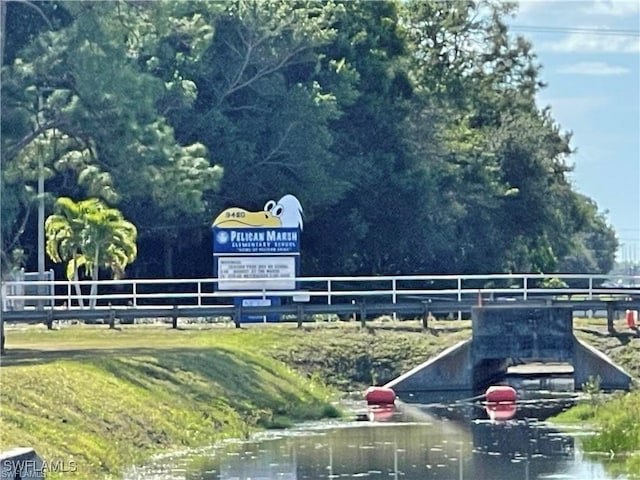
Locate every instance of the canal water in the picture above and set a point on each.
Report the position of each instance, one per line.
(421, 440)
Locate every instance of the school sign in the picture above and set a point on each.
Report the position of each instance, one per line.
(258, 250)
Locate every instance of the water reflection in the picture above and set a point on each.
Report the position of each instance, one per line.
(424, 441)
(520, 450)
(500, 411)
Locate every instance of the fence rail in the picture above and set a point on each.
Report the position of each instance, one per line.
(409, 294)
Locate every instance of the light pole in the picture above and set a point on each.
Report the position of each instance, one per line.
(41, 278)
(40, 219)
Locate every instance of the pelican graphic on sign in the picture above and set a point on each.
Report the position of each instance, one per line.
(288, 210)
(286, 213)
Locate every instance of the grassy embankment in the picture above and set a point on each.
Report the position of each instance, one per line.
(107, 399)
(617, 419)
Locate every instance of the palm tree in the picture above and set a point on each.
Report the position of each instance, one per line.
(110, 243)
(64, 232)
(91, 235)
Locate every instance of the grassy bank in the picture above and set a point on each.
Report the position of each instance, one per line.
(617, 437)
(622, 347)
(103, 400)
(616, 420)
(106, 399)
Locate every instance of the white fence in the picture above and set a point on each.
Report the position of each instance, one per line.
(22, 289)
(203, 292)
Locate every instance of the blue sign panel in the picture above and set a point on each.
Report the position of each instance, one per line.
(256, 240)
(258, 302)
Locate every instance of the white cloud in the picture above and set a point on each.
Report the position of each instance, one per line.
(593, 68)
(573, 110)
(616, 8)
(590, 42)
(528, 6)
(525, 7)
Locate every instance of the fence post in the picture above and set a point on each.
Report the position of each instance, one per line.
(2, 339)
(174, 317)
(49, 320)
(300, 313)
(426, 313)
(237, 315)
(611, 312)
(363, 314)
(459, 297)
(112, 318)
(394, 286)
(134, 293)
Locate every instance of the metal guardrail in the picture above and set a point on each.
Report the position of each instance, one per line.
(200, 291)
(402, 295)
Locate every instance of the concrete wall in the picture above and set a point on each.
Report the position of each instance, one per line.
(522, 332)
(448, 371)
(589, 362)
(453, 369)
(503, 335)
(21, 464)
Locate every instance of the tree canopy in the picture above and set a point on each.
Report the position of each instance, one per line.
(409, 131)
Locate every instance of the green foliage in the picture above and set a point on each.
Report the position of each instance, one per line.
(94, 112)
(89, 234)
(419, 153)
(554, 282)
(617, 432)
(592, 385)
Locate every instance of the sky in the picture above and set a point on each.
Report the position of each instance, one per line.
(590, 54)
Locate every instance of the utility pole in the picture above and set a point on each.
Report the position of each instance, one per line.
(40, 219)
(41, 288)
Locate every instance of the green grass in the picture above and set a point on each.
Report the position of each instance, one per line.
(615, 421)
(108, 399)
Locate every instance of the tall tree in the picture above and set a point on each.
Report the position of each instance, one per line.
(258, 107)
(91, 235)
(502, 175)
(83, 85)
(373, 93)
(109, 243)
(409, 131)
(64, 230)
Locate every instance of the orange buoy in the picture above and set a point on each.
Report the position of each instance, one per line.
(500, 393)
(501, 411)
(380, 396)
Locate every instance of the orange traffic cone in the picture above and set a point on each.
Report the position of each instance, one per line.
(631, 319)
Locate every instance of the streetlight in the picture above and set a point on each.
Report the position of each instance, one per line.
(41, 240)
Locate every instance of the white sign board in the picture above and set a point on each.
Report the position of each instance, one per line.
(270, 273)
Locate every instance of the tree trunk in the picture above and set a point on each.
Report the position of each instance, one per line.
(76, 281)
(94, 280)
(168, 255)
